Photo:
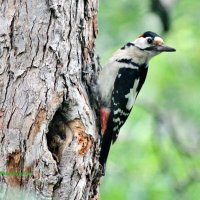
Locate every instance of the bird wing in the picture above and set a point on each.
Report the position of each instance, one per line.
(126, 88)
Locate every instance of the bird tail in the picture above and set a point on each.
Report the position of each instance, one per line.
(105, 148)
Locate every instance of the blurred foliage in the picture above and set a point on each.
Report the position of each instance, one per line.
(157, 155)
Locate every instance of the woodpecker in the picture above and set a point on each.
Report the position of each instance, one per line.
(119, 83)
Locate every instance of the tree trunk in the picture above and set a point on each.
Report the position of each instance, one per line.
(47, 124)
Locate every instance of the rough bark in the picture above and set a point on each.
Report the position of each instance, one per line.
(47, 123)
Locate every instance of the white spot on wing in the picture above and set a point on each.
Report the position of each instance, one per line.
(113, 100)
(115, 128)
(121, 112)
(116, 119)
(120, 123)
(117, 111)
(132, 95)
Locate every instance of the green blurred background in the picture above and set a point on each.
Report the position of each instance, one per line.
(157, 154)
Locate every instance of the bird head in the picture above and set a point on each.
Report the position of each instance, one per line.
(152, 44)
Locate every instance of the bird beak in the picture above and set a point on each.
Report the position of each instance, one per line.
(163, 48)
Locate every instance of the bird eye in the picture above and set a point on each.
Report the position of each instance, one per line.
(149, 40)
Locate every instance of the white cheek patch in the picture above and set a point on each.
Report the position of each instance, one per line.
(141, 43)
(131, 96)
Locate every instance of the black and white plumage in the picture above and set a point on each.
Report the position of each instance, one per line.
(119, 83)
(127, 84)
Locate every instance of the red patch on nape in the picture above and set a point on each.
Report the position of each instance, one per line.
(104, 115)
(141, 36)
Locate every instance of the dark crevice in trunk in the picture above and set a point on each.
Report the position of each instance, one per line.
(59, 135)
